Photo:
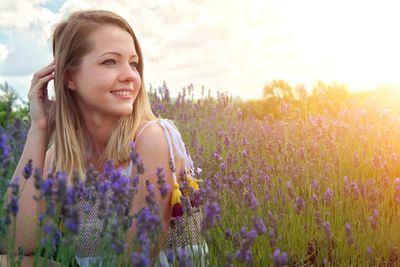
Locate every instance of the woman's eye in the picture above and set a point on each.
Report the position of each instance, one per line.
(109, 62)
(135, 64)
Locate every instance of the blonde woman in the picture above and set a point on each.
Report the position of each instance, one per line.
(100, 107)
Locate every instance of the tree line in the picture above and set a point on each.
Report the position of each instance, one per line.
(280, 99)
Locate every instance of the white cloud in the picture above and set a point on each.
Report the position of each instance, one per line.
(3, 52)
(27, 16)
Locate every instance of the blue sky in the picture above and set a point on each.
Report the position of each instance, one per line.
(229, 46)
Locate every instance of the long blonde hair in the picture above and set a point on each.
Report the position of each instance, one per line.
(70, 44)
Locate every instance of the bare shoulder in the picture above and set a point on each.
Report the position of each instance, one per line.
(151, 139)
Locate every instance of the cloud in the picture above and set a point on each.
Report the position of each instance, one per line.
(25, 55)
(234, 46)
(3, 52)
(183, 41)
(26, 16)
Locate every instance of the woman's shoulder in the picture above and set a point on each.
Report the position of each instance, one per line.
(149, 131)
(154, 128)
(151, 143)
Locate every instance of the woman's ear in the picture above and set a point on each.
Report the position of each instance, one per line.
(69, 81)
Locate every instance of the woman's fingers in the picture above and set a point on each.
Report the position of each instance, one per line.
(40, 87)
(43, 72)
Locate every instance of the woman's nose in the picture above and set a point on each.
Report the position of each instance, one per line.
(128, 73)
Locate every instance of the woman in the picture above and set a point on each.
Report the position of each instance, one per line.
(100, 107)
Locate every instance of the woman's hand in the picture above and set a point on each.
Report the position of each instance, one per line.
(39, 101)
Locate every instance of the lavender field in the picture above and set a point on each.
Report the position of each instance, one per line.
(307, 189)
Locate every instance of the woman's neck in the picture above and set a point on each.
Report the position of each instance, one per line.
(96, 134)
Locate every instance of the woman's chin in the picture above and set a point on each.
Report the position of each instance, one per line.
(126, 112)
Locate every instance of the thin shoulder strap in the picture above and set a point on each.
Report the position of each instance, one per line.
(144, 127)
(171, 154)
(174, 138)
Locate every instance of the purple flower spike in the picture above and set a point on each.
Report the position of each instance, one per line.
(162, 185)
(300, 204)
(280, 258)
(170, 255)
(259, 226)
(349, 236)
(228, 233)
(251, 200)
(183, 257)
(15, 187)
(13, 206)
(140, 260)
(328, 232)
(211, 215)
(328, 196)
(243, 254)
(27, 171)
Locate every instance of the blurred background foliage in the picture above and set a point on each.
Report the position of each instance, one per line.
(280, 99)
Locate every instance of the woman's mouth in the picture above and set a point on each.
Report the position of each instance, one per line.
(122, 94)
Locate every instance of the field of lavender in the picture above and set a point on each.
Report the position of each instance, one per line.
(304, 190)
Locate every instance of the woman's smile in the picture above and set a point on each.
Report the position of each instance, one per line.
(122, 94)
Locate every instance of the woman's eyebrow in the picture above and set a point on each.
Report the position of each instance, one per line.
(119, 54)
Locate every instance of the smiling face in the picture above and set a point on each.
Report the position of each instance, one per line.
(107, 80)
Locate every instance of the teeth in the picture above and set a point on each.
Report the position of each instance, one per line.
(125, 93)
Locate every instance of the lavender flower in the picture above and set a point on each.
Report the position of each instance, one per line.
(243, 231)
(251, 200)
(46, 188)
(70, 211)
(373, 220)
(162, 185)
(228, 233)
(170, 255)
(136, 161)
(328, 232)
(300, 204)
(140, 259)
(318, 219)
(328, 196)
(211, 215)
(27, 171)
(272, 237)
(354, 189)
(271, 219)
(60, 187)
(117, 243)
(15, 187)
(349, 236)
(243, 254)
(280, 258)
(13, 206)
(259, 226)
(71, 222)
(37, 175)
(148, 221)
(183, 258)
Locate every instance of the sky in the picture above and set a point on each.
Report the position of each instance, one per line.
(233, 46)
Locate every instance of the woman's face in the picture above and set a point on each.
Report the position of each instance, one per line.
(107, 80)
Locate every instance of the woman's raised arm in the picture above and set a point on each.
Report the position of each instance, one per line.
(34, 149)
